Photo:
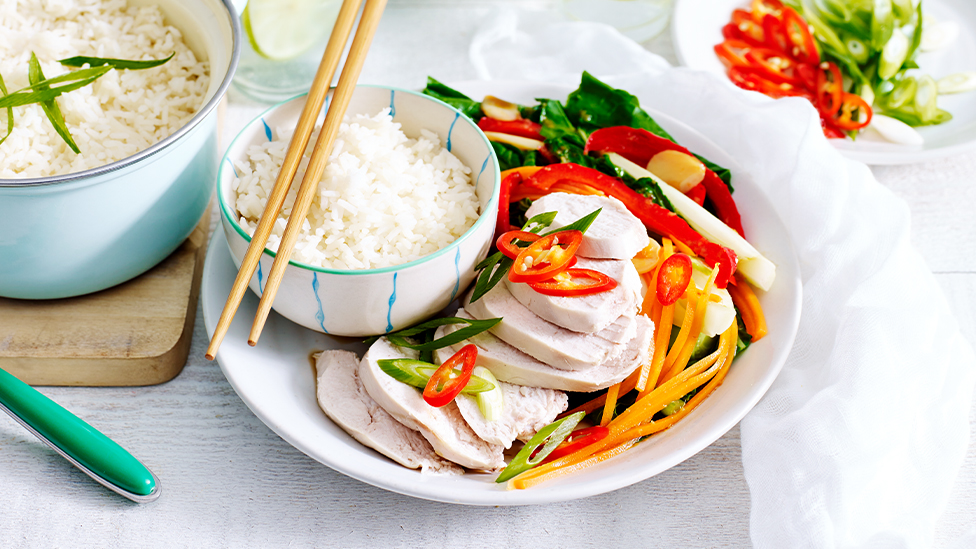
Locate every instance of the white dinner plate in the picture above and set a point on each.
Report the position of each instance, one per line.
(276, 378)
(696, 28)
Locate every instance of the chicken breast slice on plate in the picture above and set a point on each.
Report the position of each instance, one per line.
(443, 427)
(615, 233)
(524, 412)
(511, 365)
(586, 313)
(343, 398)
(552, 344)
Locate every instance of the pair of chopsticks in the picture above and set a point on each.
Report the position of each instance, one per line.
(313, 173)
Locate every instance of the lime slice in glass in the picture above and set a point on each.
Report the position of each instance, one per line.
(284, 29)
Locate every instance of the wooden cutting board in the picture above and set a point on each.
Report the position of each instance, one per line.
(137, 333)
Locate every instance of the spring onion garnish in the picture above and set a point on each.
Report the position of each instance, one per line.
(44, 91)
(489, 402)
(473, 328)
(417, 373)
(548, 437)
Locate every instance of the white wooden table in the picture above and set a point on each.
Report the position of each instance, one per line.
(229, 481)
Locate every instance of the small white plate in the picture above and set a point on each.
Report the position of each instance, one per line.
(696, 28)
(276, 379)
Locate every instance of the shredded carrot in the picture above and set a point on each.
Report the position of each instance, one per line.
(528, 480)
(661, 338)
(683, 332)
(723, 369)
(683, 248)
(747, 303)
(611, 404)
(626, 386)
(688, 346)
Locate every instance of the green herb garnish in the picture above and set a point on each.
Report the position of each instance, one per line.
(10, 113)
(473, 328)
(44, 91)
(51, 108)
(128, 64)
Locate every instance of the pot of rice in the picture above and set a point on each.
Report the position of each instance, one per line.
(73, 223)
(404, 211)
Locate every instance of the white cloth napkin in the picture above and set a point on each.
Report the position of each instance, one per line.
(859, 440)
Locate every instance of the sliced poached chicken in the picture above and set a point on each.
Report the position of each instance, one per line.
(443, 427)
(552, 344)
(513, 366)
(343, 398)
(615, 233)
(525, 411)
(587, 313)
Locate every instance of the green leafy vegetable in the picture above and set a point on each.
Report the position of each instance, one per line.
(510, 156)
(81, 61)
(556, 125)
(469, 107)
(50, 107)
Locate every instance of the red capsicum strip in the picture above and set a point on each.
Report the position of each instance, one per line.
(522, 128)
(656, 218)
(639, 146)
(502, 223)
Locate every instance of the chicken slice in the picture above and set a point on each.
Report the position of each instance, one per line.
(615, 234)
(552, 344)
(343, 398)
(587, 313)
(524, 412)
(443, 427)
(513, 366)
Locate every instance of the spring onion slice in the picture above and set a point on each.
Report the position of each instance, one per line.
(490, 402)
(128, 64)
(417, 373)
(958, 82)
(548, 438)
(473, 328)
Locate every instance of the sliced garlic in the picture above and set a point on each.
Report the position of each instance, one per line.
(499, 109)
(681, 171)
(516, 141)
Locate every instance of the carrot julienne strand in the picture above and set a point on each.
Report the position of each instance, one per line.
(527, 479)
(610, 405)
(747, 303)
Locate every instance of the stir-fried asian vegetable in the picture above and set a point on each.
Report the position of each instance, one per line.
(699, 278)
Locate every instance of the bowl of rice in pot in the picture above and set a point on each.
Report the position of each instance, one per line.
(405, 209)
(105, 180)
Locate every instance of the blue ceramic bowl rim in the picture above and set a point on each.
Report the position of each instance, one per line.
(237, 34)
(490, 206)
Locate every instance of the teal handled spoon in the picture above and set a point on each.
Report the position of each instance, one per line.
(78, 442)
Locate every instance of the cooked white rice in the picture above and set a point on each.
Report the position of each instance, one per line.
(384, 199)
(123, 112)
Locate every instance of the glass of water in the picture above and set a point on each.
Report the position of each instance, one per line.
(284, 46)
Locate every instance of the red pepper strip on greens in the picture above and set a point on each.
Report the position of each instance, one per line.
(639, 146)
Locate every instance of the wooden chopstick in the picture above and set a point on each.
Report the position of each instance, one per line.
(303, 131)
(372, 12)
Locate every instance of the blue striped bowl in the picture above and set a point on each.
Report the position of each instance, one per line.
(373, 301)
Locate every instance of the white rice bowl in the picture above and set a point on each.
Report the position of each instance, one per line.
(121, 113)
(385, 198)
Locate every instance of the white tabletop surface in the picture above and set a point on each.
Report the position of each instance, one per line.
(228, 481)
